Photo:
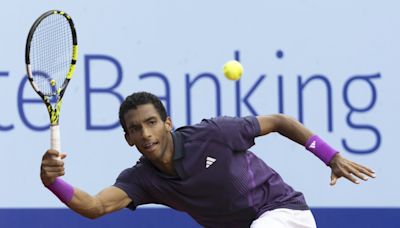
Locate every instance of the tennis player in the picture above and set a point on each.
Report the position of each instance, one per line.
(204, 169)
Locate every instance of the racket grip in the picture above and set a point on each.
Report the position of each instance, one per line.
(55, 138)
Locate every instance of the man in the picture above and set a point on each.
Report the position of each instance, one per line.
(205, 170)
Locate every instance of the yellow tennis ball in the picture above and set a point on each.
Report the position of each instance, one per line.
(53, 82)
(233, 70)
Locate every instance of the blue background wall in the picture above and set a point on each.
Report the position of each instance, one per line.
(161, 217)
(332, 65)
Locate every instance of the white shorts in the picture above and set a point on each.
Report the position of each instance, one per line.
(285, 218)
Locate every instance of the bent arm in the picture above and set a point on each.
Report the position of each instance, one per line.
(284, 125)
(295, 131)
(108, 200)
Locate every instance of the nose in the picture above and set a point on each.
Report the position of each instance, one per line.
(146, 133)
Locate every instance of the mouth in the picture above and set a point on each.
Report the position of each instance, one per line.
(150, 146)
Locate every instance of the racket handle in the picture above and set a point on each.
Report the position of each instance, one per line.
(55, 138)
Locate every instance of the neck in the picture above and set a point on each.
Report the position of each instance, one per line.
(166, 163)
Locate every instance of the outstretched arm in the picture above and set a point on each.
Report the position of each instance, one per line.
(108, 200)
(295, 131)
(286, 126)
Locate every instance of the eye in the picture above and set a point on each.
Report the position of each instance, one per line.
(134, 129)
(152, 122)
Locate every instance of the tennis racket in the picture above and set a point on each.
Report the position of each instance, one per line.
(50, 55)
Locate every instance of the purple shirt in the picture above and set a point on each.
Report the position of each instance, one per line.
(220, 183)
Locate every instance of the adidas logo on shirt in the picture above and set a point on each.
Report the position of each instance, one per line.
(313, 145)
(210, 161)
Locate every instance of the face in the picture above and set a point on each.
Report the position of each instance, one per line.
(148, 132)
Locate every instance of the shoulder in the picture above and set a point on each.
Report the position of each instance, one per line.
(215, 122)
(217, 126)
(204, 125)
(233, 119)
(229, 123)
(139, 169)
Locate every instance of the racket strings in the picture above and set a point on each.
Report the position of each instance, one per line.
(51, 53)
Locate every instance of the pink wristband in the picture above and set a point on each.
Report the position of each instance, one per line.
(62, 190)
(320, 149)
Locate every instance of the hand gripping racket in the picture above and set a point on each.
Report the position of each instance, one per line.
(50, 55)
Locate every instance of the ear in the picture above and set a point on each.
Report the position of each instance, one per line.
(128, 140)
(168, 124)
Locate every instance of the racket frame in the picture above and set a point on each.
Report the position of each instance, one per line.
(54, 112)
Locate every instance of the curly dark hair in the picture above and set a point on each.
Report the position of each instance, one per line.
(140, 98)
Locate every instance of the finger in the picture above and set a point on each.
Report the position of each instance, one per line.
(359, 175)
(364, 167)
(50, 153)
(62, 156)
(351, 178)
(365, 170)
(52, 162)
(53, 174)
(53, 169)
(333, 179)
(373, 175)
(368, 172)
(356, 170)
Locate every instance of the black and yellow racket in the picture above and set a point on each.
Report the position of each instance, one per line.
(50, 56)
